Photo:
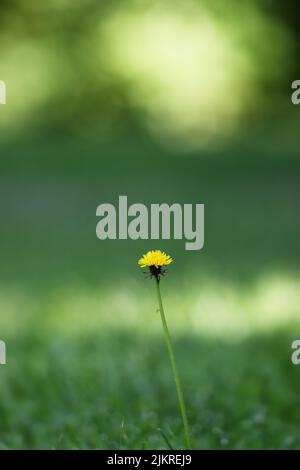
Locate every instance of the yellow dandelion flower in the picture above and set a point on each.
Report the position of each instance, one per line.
(155, 258)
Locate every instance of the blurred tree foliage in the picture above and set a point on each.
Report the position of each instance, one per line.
(73, 65)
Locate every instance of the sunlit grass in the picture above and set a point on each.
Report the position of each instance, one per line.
(213, 307)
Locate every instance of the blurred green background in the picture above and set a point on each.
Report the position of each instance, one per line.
(164, 101)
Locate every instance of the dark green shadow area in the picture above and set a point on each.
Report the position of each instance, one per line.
(49, 198)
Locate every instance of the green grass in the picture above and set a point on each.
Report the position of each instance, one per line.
(87, 364)
(113, 389)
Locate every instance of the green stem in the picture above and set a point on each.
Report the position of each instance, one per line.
(175, 371)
